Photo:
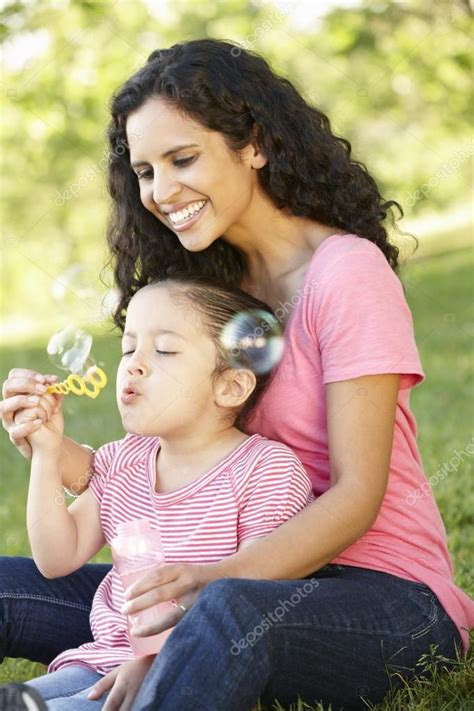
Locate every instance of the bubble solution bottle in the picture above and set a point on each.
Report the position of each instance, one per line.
(136, 551)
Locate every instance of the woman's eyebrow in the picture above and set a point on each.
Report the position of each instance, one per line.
(138, 163)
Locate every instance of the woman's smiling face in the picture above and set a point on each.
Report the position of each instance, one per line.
(188, 177)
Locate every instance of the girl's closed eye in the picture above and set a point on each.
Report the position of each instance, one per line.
(164, 353)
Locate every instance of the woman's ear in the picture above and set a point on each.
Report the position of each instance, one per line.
(253, 153)
(233, 387)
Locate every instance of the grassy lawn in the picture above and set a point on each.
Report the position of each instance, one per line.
(439, 290)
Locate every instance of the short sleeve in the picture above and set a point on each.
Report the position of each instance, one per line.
(277, 488)
(101, 466)
(363, 323)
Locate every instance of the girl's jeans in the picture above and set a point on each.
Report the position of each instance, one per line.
(338, 636)
(67, 689)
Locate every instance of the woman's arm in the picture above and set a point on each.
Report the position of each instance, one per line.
(360, 420)
(21, 384)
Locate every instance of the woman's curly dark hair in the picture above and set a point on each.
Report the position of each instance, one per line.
(309, 171)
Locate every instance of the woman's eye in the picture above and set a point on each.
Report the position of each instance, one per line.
(145, 174)
(166, 353)
(180, 162)
(127, 353)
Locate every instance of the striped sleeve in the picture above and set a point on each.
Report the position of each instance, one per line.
(101, 466)
(277, 488)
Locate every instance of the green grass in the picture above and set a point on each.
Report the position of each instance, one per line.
(439, 290)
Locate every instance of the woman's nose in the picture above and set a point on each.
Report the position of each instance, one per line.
(165, 190)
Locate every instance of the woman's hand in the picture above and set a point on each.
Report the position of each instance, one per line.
(181, 582)
(20, 385)
(47, 437)
(124, 682)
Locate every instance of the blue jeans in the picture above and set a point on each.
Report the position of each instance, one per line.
(339, 635)
(39, 618)
(67, 689)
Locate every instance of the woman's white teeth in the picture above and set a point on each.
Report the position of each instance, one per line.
(187, 212)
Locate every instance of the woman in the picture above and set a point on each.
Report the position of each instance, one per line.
(219, 167)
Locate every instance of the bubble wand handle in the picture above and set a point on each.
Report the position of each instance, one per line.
(89, 385)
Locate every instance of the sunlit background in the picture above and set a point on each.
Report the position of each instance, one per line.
(393, 77)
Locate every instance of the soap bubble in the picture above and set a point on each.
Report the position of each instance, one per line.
(73, 285)
(110, 303)
(70, 349)
(253, 339)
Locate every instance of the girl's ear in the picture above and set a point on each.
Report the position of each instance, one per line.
(233, 387)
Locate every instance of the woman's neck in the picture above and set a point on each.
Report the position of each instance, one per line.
(275, 244)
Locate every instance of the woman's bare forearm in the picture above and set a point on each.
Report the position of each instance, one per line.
(307, 541)
(75, 466)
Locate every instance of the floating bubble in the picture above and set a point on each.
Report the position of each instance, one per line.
(70, 349)
(110, 302)
(253, 339)
(73, 285)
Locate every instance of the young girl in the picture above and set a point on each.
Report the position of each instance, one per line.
(185, 465)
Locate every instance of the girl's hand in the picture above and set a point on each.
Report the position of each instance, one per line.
(20, 384)
(181, 582)
(47, 436)
(124, 682)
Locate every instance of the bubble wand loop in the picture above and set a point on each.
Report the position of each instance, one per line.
(90, 385)
(69, 349)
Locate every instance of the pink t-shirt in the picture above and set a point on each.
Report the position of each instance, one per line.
(350, 319)
(256, 488)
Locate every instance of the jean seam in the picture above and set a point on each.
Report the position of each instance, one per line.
(43, 598)
(433, 619)
(431, 622)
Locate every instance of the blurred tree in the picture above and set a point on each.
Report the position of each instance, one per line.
(394, 77)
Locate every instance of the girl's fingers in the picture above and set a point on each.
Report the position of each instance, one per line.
(18, 433)
(22, 445)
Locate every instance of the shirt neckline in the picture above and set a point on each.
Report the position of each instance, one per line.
(163, 499)
(307, 275)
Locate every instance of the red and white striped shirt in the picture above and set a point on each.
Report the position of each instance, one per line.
(255, 489)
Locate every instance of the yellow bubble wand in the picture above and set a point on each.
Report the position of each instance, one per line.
(69, 350)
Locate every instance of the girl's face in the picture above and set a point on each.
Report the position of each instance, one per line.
(164, 384)
(188, 178)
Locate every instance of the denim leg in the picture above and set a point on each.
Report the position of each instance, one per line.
(39, 618)
(67, 689)
(341, 635)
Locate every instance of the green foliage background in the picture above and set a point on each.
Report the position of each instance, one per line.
(393, 76)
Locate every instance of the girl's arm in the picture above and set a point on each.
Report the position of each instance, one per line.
(61, 539)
